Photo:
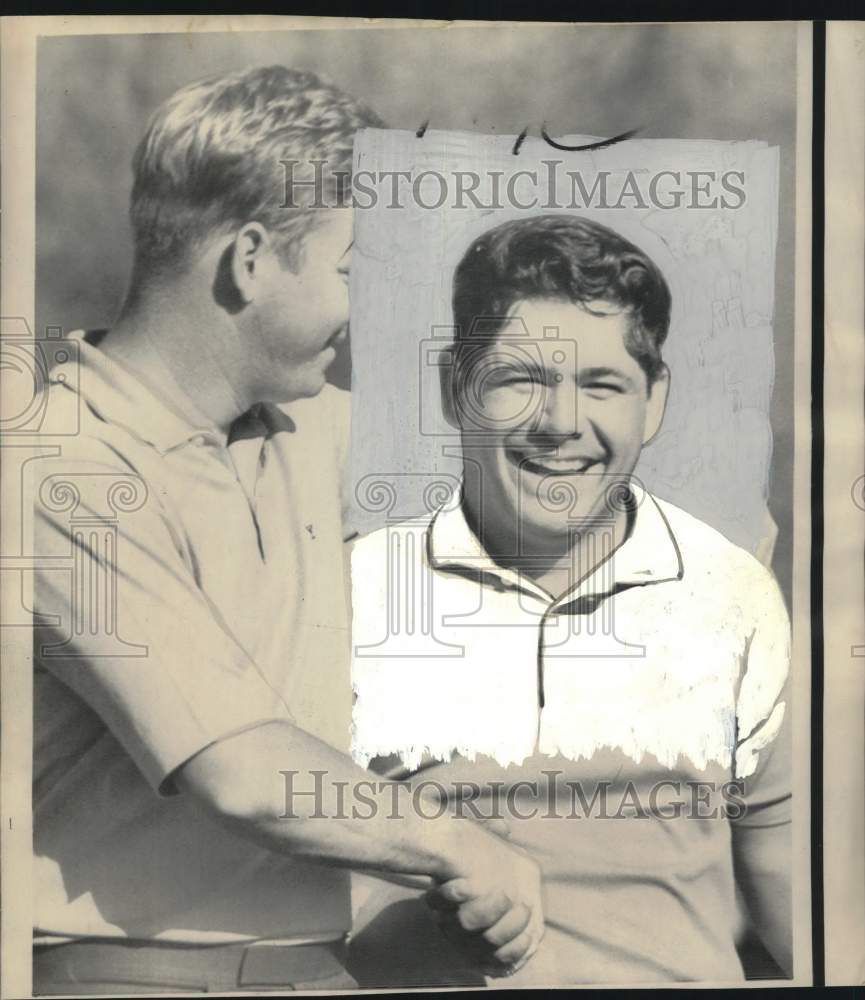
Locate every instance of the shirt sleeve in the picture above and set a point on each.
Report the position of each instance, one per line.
(131, 632)
(763, 755)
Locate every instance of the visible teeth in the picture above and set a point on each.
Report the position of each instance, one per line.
(556, 466)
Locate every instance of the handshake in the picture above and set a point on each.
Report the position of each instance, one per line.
(489, 904)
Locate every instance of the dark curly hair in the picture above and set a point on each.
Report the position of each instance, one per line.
(560, 257)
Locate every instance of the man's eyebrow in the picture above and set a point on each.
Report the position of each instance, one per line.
(588, 374)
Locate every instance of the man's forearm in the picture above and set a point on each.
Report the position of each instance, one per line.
(290, 792)
(493, 892)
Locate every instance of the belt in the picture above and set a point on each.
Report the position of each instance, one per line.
(124, 966)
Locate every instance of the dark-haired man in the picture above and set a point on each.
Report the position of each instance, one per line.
(611, 672)
(196, 656)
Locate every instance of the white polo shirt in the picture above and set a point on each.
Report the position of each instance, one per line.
(197, 589)
(664, 668)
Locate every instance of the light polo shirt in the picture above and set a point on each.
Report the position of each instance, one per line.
(197, 590)
(630, 704)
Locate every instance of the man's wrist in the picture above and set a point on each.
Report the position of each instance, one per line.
(455, 839)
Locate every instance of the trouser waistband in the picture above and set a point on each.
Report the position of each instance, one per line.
(127, 966)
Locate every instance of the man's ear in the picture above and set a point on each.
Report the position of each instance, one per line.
(446, 381)
(250, 249)
(659, 390)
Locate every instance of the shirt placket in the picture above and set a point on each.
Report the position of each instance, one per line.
(583, 601)
(526, 590)
(249, 472)
(546, 623)
(257, 488)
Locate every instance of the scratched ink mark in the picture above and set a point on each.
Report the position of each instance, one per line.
(311, 530)
(602, 144)
(422, 129)
(521, 138)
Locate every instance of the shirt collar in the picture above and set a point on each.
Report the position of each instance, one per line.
(118, 396)
(650, 553)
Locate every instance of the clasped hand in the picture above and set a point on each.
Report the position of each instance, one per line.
(492, 910)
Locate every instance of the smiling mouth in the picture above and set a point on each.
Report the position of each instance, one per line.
(554, 465)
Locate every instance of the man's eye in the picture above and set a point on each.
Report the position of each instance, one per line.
(509, 377)
(603, 388)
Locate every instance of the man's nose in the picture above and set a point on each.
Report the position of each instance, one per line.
(560, 417)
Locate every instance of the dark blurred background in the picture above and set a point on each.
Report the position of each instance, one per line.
(703, 81)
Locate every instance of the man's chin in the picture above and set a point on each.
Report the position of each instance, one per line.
(303, 385)
(551, 496)
(327, 357)
(544, 531)
(559, 515)
(313, 385)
